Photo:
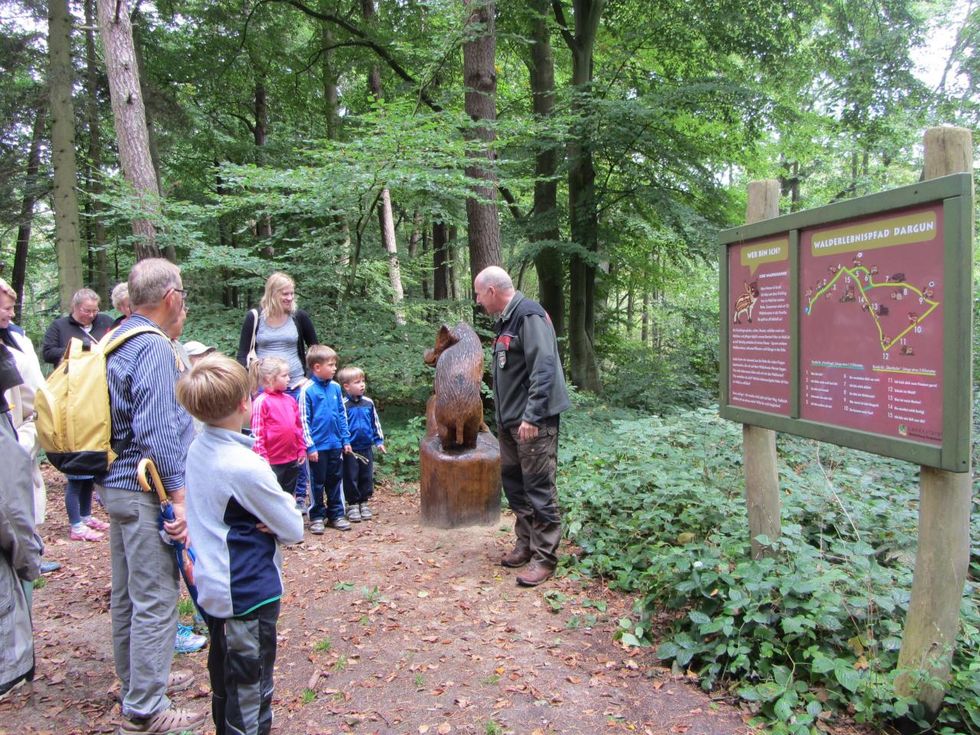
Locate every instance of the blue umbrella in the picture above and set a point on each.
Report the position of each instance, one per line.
(184, 554)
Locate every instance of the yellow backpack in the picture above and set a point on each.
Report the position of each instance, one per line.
(74, 422)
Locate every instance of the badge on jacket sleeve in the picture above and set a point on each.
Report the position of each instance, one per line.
(502, 359)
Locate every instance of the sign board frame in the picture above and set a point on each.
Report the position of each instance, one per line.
(954, 197)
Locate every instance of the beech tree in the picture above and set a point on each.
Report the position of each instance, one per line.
(130, 120)
(64, 198)
(480, 80)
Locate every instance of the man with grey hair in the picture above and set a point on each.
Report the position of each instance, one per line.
(147, 421)
(529, 395)
(120, 302)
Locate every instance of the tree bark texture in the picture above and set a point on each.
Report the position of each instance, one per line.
(758, 444)
(138, 19)
(129, 117)
(440, 261)
(480, 80)
(97, 242)
(582, 207)
(65, 200)
(942, 555)
(27, 208)
(544, 224)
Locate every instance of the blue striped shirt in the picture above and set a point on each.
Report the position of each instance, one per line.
(142, 374)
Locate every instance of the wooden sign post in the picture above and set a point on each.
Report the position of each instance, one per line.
(759, 444)
(943, 551)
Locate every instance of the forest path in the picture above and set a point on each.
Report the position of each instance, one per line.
(389, 628)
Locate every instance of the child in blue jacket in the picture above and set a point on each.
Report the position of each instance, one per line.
(365, 435)
(327, 436)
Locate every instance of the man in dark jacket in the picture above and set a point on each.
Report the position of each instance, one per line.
(529, 394)
(85, 322)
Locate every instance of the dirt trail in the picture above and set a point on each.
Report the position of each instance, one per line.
(390, 628)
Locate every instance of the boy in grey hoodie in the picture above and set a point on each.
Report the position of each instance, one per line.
(236, 517)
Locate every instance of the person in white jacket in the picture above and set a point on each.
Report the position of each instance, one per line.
(21, 398)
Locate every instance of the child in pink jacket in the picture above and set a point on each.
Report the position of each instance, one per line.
(276, 424)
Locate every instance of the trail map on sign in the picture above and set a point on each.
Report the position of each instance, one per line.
(871, 328)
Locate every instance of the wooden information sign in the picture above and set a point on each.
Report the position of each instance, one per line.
(849, 323)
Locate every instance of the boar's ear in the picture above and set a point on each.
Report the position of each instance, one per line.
(443, 339)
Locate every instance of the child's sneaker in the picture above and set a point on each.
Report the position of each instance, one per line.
(81, 532)
(316, 527)
(95, 524)
(301, 504)
(340, 524)
(187, 640)
(366, 514)
(353, 513)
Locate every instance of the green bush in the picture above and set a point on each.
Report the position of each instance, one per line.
(812, 631)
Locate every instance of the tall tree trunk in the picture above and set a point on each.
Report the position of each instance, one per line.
(440, 261)
(583, 213)
(480, 80)
(452, 270)
(130, 119)
(97, 242)
(138, 19)
(384, 203)
(263, 228)
(330, 102)
(27, 207)
(548, 261)
(65, 201)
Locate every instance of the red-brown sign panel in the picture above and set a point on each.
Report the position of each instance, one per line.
(759, 329)
(871, 324)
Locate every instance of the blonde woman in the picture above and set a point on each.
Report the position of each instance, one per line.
(282, 330)
(279, 329)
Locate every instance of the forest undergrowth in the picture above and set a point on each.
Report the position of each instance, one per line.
(807, 635)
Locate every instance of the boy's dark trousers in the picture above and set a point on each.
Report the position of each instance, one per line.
(359, 476)
(240, 663)
(327, 474)
(287, 474)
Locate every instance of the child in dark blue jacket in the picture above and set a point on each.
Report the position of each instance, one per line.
(365, 435)
(321, 406)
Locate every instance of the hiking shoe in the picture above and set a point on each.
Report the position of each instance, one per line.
(179, 680)
(353, 513)
(188, 641)
(84, 533)
(95, 524)
(7, 689)
(172, 720)
(366, 514)
(316, 527)
(340, 524)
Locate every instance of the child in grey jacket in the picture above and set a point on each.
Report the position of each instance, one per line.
(236, 518)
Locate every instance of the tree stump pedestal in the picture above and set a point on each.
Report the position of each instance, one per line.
(460, 488)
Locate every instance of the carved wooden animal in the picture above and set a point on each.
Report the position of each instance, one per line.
(455, 411)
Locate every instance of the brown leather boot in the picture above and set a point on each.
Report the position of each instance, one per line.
(517, 557)
(535, 575)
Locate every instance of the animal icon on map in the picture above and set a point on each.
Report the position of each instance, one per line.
(746, 301)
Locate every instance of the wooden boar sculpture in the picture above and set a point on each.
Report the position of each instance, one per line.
(455, 410)
(459, 457)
